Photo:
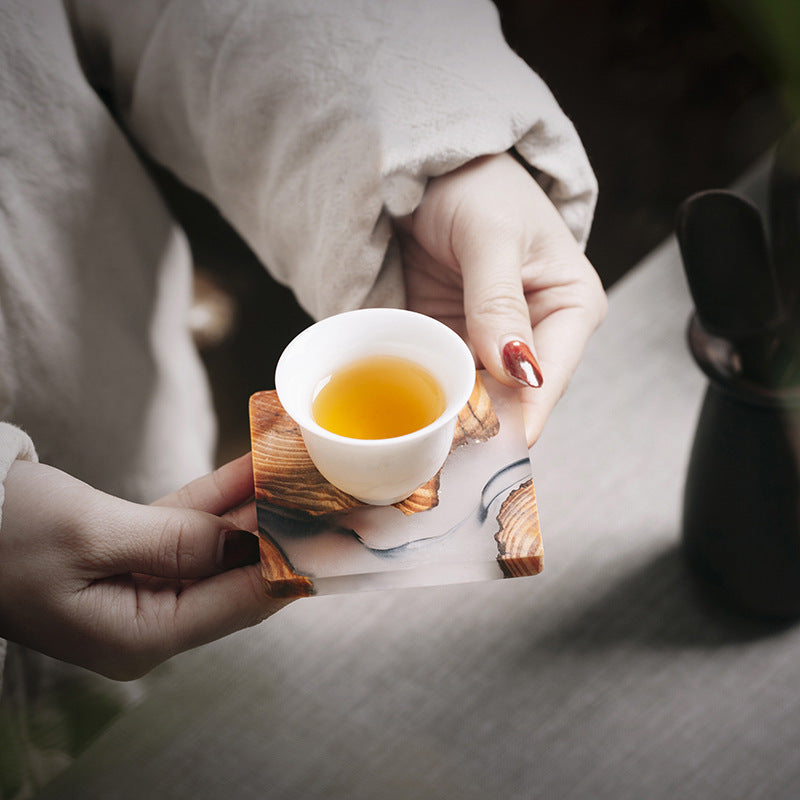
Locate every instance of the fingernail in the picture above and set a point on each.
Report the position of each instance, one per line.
(521, 365)
(237, 549)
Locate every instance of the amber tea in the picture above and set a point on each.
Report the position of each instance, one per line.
(378, 397)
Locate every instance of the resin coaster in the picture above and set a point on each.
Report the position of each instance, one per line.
(475, 520)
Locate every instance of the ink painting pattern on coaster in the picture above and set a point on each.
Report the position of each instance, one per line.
(476, 519)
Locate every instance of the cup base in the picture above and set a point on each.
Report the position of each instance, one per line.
(381, 502)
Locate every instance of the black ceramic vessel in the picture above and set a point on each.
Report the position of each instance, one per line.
(741, 516)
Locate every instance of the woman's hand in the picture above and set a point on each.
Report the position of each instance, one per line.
(487, 253)
(119, 587)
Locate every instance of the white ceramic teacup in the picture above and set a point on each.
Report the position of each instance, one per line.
(375, 471)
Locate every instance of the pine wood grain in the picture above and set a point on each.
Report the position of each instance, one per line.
(519, 540)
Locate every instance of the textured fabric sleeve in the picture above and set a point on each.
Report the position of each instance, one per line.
(310, 123)
(14, 444)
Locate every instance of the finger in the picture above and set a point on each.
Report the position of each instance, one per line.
(210, 609)
(243, 518)
(431, 289)
(171, 618)
(496, 310)
(217, 492)
(561, 338)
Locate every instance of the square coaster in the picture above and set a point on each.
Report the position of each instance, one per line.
(476, 519)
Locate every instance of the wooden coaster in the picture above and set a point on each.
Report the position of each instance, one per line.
(286, 478)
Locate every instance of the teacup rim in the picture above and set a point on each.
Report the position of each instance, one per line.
(306, 421)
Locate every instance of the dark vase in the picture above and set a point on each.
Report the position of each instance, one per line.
(741, 515)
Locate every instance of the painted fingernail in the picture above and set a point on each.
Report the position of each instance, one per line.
(237, 549)
(521, 365)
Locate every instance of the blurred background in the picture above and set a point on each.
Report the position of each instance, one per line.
(669, 97)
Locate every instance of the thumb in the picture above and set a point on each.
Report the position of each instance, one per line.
(177, 543)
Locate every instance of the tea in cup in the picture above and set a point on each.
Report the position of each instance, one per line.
(376, 393)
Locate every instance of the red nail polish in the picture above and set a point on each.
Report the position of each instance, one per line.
(520, 364)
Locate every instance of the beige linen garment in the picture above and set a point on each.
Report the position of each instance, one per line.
(307, 123)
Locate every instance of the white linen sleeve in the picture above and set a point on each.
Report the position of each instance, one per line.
(15, 444)
(309, 123)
